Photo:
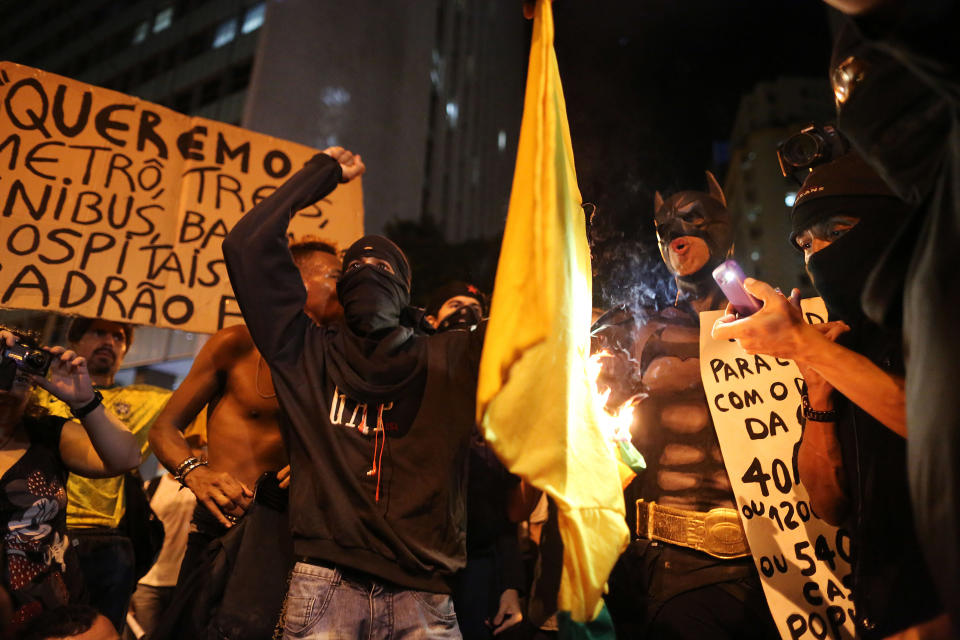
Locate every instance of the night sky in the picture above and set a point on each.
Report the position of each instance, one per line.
(652, 84)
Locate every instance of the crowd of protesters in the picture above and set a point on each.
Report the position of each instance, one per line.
(341, 487)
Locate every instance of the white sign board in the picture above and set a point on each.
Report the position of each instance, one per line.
(803, 561)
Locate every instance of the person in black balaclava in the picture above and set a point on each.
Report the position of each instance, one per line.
(486, 593)
(378, 417)
(375, 286)
(456, 305)
(677, 586)
(852, 456)
(894, 75)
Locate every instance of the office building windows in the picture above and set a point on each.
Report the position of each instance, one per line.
(140, 32)
(253, 18)
(163, 19)
(225, 33)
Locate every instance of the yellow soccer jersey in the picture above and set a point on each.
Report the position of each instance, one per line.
(98, 502)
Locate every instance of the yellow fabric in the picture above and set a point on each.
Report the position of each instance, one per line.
(198, 427)
(534, 399)
(98, 502)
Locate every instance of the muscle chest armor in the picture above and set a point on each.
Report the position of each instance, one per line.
(672, 425)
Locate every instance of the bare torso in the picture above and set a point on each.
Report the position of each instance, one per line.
(243, 434)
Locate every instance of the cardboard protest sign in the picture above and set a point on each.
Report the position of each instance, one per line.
(804, 563)
(115, 208)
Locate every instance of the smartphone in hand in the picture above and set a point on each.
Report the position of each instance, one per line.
(730, 277)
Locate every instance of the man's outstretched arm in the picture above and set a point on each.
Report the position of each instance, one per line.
(778, 330)
(265, 279)
(219, 492)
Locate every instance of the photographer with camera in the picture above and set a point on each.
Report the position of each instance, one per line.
(37, 451)
(852, 456)
(107, 517)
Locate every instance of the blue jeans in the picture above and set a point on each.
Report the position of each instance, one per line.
(325, 604)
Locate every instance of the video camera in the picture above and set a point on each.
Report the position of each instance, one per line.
(812, 146)
(26, 356)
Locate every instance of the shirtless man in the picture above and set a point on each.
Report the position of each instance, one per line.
(243, 435)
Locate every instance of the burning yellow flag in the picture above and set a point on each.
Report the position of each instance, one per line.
(534, 398)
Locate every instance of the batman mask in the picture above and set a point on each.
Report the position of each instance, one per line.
(695, 235)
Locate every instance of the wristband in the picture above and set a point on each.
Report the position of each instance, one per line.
(814, 415)
(186, 467)
(82, 412)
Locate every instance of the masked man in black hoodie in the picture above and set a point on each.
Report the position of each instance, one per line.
(852, 456)
(377, 421)
(486, 592)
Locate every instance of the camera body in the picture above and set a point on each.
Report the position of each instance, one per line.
(23, 356)
(810, 147)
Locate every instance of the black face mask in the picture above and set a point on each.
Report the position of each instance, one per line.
(372, 299)
(839, 273)
(462, 318)
(840, 270)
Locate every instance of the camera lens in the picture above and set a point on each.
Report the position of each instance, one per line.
(801, 150)
(35, 360)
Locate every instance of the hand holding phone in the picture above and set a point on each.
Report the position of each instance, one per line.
(730, 277)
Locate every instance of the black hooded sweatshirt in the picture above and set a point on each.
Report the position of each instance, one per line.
(404, 523)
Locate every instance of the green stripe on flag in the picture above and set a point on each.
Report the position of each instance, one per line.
(601, 628)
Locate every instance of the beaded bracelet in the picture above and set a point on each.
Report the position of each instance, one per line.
(814, 415)
(186, 467)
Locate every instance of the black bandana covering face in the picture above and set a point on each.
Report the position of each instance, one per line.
(848, 186)
(839, 271)
(372, 297)
(462, 318)
(699, 215)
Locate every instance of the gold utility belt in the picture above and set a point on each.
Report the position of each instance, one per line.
(717, 532)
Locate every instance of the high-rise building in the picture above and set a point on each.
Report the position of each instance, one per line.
(757, 193)
(194, 56)
(430, 92)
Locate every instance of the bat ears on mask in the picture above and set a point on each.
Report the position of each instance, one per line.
(713, 188)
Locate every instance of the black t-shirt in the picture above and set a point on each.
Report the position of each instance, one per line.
(39, 569)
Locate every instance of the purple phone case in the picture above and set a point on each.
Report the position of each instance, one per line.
(730, 277)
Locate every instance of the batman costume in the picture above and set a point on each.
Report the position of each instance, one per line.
(670, 583)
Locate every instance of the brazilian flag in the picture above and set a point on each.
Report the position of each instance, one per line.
(534, 398)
